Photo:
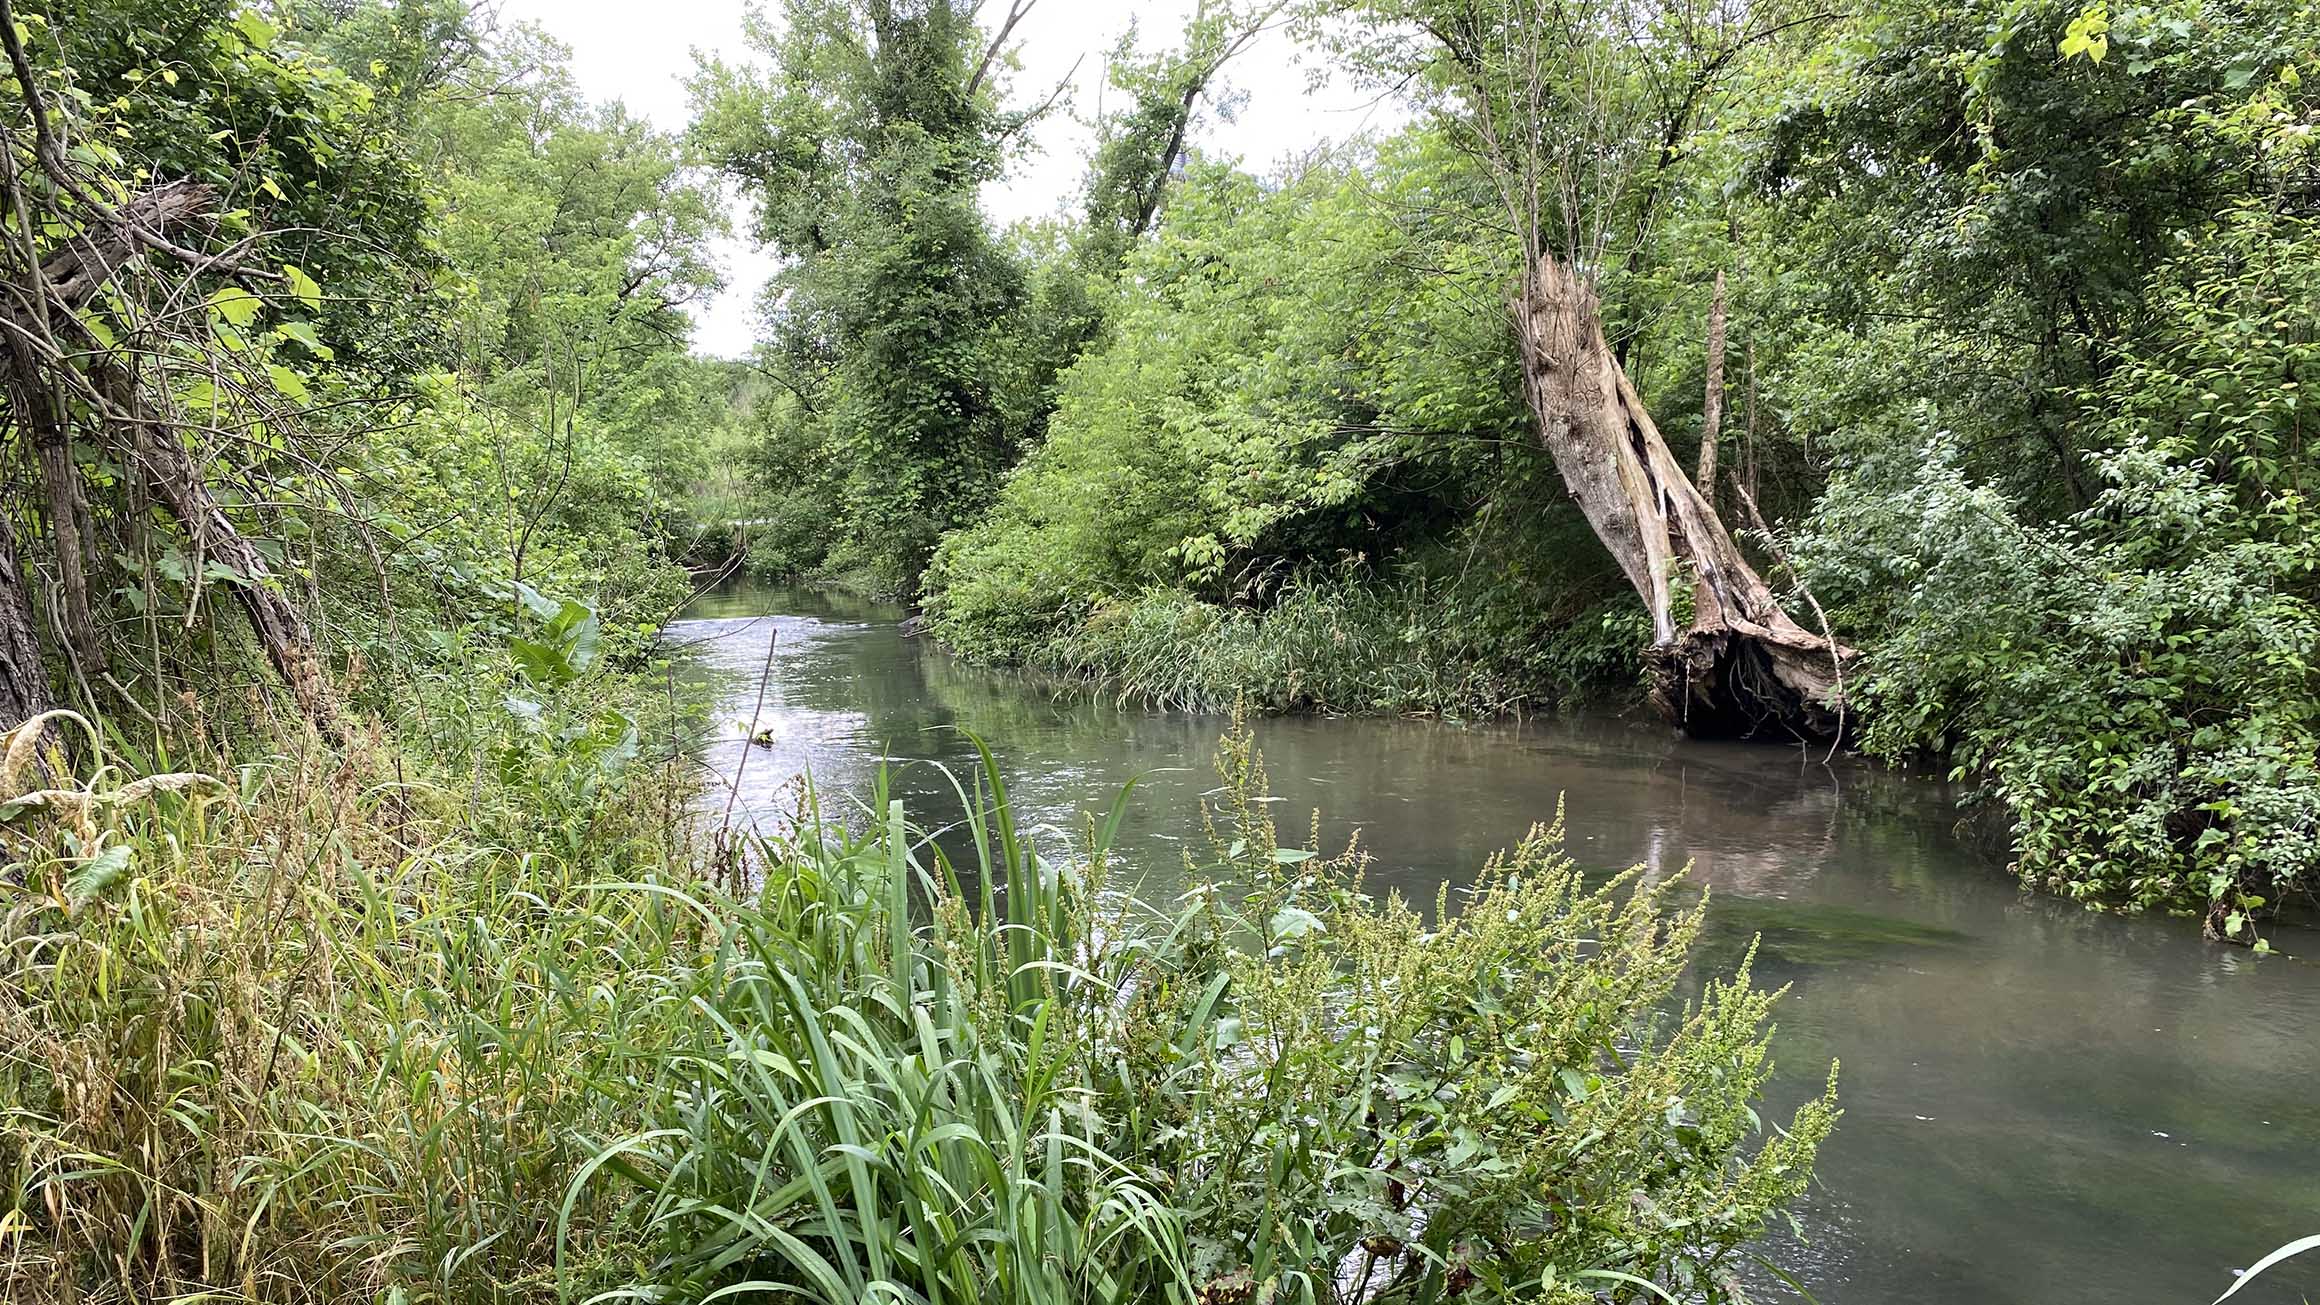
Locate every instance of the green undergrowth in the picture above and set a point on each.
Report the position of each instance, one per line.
(1413, 645)
(314, 1025)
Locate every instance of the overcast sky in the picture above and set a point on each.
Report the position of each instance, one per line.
(640, 55)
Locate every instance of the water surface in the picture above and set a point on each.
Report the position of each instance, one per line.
(2041, 1104)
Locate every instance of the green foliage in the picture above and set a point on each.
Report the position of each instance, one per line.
(453, 360)
(562, 450)
(2017, 332)
(477, 498)
(921, 351)
(155, 90)
(2136, 682)
(578, 236)
(1262, 485)
(856, 1104)
(162, 389)
(1991, 209)
(2079, 561)
(1303, 1081)
(581, 243)
(1139, 145)
(1355, 1102)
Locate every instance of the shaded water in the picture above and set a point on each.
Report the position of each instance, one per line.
(2041, 1105)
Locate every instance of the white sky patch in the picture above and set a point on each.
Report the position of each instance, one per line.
(641, 55)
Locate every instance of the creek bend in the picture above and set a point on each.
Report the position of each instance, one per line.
(2041, 1104)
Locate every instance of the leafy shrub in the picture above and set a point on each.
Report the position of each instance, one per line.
(2136, 683)
(1349, 1100)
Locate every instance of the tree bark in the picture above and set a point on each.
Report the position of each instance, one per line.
(1712, 407)
(24, 687)
(32, 395)
(86, 264)
(1735, 665)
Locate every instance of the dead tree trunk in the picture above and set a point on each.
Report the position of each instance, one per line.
(39, 368)
(32, 395)
(1736, 665)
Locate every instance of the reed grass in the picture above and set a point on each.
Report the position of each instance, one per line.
(1410, 647)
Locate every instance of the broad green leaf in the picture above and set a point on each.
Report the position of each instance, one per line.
(537, 603)
(237, 306)
(255, 28)
(290, 383)
(91, 878)
(2088, 34)
(308, 290)
(303, 333)
(1296, 921)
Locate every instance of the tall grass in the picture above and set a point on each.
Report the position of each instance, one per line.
(305, 1039)
(315, 1033)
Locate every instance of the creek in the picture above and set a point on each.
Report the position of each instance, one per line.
(2042, 1104)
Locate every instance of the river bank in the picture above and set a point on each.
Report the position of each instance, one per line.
(2041, 1103)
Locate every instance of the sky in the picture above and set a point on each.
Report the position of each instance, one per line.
(641, 54)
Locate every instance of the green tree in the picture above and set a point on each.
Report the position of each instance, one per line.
(582, 243)
(864, 145)
(2134, 684)
(1993, 208)
(1295, 424)
(1139, 150)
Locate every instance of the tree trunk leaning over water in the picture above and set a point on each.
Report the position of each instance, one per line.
(1735, 666)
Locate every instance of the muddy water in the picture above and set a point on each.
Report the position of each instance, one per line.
(2041, 1105)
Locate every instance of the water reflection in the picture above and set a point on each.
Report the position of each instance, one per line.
(2041, 1104)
